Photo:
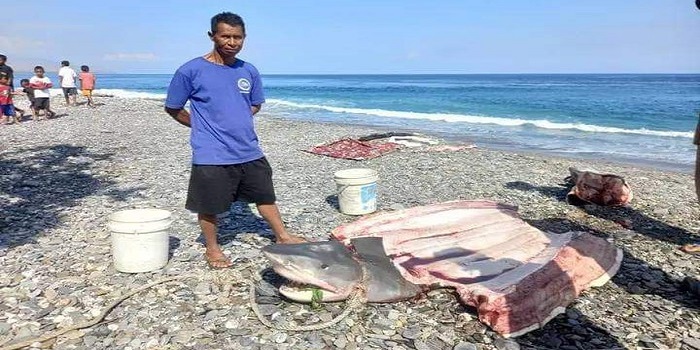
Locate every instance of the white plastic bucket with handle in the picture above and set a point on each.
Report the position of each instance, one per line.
(357, 190)
(140, 239)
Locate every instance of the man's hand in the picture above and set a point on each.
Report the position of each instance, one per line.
(255, 109)
(180, 115)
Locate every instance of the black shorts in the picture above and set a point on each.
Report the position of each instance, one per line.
(41, 103)
(213, 188)
(70, 91)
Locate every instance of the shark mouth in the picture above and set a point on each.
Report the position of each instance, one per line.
(303, 292)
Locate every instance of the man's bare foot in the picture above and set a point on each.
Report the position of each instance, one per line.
(289, 239)
(217, 260)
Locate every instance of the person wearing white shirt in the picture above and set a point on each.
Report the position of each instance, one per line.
(42, 97)
(66, 77)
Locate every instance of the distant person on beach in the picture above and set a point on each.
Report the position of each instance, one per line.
(227, 161)
(693, 283)
(66, 78)
(695, 248)
(7, 111)
(29, 92)
(87, 84)
(42, 96)
(4, 68)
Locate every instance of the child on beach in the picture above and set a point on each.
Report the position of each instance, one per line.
(29, 92)
(66, 78)
(87, 83)
(42, 97)
(7, 110)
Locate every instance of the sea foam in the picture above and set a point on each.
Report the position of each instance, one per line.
(476, 119)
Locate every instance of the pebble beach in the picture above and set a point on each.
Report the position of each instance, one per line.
(61, 178)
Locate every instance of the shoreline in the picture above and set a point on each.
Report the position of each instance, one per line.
(63, 177)
(459, 139)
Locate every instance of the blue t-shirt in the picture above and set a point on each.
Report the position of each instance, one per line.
(220, 98)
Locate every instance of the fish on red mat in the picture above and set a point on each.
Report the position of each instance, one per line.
(516, 276)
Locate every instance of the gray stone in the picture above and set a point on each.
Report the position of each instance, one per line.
(505, 344)
(692, 342)
(202, 288)
(279, 337)
(340, 342)
(553, 342)
(325, 316)
(89, 340)
(4, 327)
(135, 343)
(246, 341)
(465, 346)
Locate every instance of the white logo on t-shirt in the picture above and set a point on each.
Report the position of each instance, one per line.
(244, 84)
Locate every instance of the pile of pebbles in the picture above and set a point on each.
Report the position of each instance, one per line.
(61, 178)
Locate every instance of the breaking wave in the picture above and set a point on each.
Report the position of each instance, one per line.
(475, 119)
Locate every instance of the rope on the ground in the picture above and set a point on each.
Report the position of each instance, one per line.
(355, 300)
(95, 320)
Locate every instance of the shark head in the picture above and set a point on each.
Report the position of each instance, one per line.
(328, 266)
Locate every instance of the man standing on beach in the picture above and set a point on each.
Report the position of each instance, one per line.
(227, 161)
(695, 248)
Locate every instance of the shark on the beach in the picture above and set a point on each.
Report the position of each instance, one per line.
(516, 276)
(337, 271)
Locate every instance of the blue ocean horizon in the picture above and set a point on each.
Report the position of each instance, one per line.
(641, 119)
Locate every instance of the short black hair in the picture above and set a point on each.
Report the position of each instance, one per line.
(65, 63)
(3, 57)
(84, 68)
(24, 81)
(229, 18)
(38, 67)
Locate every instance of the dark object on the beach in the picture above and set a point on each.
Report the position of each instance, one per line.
(354, 149)
(692, 285)
(516, 276)
(626, 223)
(591, 187)
(385, 135)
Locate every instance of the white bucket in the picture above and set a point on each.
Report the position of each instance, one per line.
(140, 239)
(357, 191)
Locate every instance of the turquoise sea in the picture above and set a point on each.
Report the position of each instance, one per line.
(645, 119)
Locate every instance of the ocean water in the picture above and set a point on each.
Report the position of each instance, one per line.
(644, 119)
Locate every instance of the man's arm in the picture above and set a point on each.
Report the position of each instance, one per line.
(180, 115)
(255, 109)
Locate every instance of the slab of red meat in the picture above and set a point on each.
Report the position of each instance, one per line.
(602, 189)
(516, 276)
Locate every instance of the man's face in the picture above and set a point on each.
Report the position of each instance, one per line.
(4, 80)
(2, 61)
(228, 40)
(39, 73)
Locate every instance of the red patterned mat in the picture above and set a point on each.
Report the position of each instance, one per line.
(353, 149)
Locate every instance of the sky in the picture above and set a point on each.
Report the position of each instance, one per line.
(362, 36)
